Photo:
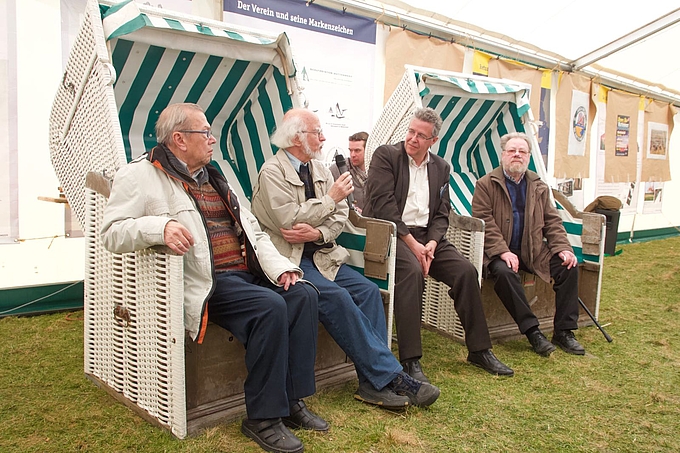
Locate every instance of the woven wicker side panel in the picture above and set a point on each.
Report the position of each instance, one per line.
(99, 296)
(134, 324)
(438, 309)
(84, 128)
(395, 117)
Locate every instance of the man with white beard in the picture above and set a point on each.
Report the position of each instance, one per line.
(303, 211)
(523, 231)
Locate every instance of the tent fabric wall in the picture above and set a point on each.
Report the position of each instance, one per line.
(568, 164)
(405, 47)
(505, 69)
(620, 141)
(657, 169)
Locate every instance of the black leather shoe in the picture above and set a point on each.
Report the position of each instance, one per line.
(413, 369)
(540, 343)
(486, 360)
(302, 418)
(420, 394)
(565, 339)
(272, 435)
(385, 398)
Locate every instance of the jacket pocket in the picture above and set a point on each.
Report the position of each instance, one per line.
(170, 207)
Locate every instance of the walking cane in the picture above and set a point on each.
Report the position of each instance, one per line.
(606, 335)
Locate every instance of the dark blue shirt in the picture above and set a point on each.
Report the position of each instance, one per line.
(518, 198)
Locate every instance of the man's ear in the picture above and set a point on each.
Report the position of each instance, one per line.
(434, 140)
(178, 140)
(297, 141)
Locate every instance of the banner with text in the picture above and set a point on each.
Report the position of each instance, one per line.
(334, 54)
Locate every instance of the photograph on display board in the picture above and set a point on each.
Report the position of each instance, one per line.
(657, 140)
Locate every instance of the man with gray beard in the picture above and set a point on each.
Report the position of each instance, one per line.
(303, 211)
(524, 232)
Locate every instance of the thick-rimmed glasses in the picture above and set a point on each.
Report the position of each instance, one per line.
(418, 135)
(207, 133)
(318, 132)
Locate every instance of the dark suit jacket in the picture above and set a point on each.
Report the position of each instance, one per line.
(388, 184)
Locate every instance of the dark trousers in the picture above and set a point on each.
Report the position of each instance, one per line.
(450, 268)
(278, 329)
(508, 286)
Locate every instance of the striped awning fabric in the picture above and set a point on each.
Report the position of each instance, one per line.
(125, 17)
(243, 98)
(476, 113)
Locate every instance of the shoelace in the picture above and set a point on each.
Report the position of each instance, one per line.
(404, 384)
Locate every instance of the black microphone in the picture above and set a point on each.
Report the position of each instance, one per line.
(342, 168)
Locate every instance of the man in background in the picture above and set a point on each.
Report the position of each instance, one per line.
(356, 167)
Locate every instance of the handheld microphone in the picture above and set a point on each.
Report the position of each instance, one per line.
(342, 168)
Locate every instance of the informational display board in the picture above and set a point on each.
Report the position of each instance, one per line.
(334, 55)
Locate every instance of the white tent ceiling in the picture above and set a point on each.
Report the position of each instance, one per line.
(561, 32)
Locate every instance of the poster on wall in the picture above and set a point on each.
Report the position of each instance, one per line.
(622, 135)
(334, 54)
(657, 140)
(627, 192)
(653, 194)
(580, 102)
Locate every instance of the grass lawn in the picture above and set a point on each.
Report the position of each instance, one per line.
(622, 396)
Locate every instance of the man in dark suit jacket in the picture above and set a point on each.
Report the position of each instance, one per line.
(409, 185)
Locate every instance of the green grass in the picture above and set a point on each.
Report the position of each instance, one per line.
(623, 396)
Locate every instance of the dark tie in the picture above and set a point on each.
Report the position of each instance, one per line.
(306, 179)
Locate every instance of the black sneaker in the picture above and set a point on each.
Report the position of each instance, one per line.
(413, 369)
(420, 394)
(384, 398)
(540, 343)
(566, 340)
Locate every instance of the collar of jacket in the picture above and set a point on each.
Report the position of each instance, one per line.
(158, 157)
(291, 176)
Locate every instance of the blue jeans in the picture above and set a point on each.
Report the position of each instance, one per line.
(351, 310)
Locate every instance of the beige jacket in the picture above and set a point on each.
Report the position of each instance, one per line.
(145, 197)
(279, 202)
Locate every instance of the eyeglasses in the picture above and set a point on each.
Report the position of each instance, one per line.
(207, 133)
(318, 132)
(523, 152)
(418, 135)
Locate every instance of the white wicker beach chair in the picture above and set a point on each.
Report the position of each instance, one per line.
(476, 111)
(113, 88)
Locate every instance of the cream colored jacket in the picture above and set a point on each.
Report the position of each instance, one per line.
(279, 202)
(145, 196)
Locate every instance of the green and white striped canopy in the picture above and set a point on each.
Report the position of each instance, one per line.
(243, 80)
(476, 113)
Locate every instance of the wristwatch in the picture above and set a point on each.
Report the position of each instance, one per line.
(320, 237)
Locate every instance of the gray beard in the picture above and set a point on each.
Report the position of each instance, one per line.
(309, 153)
